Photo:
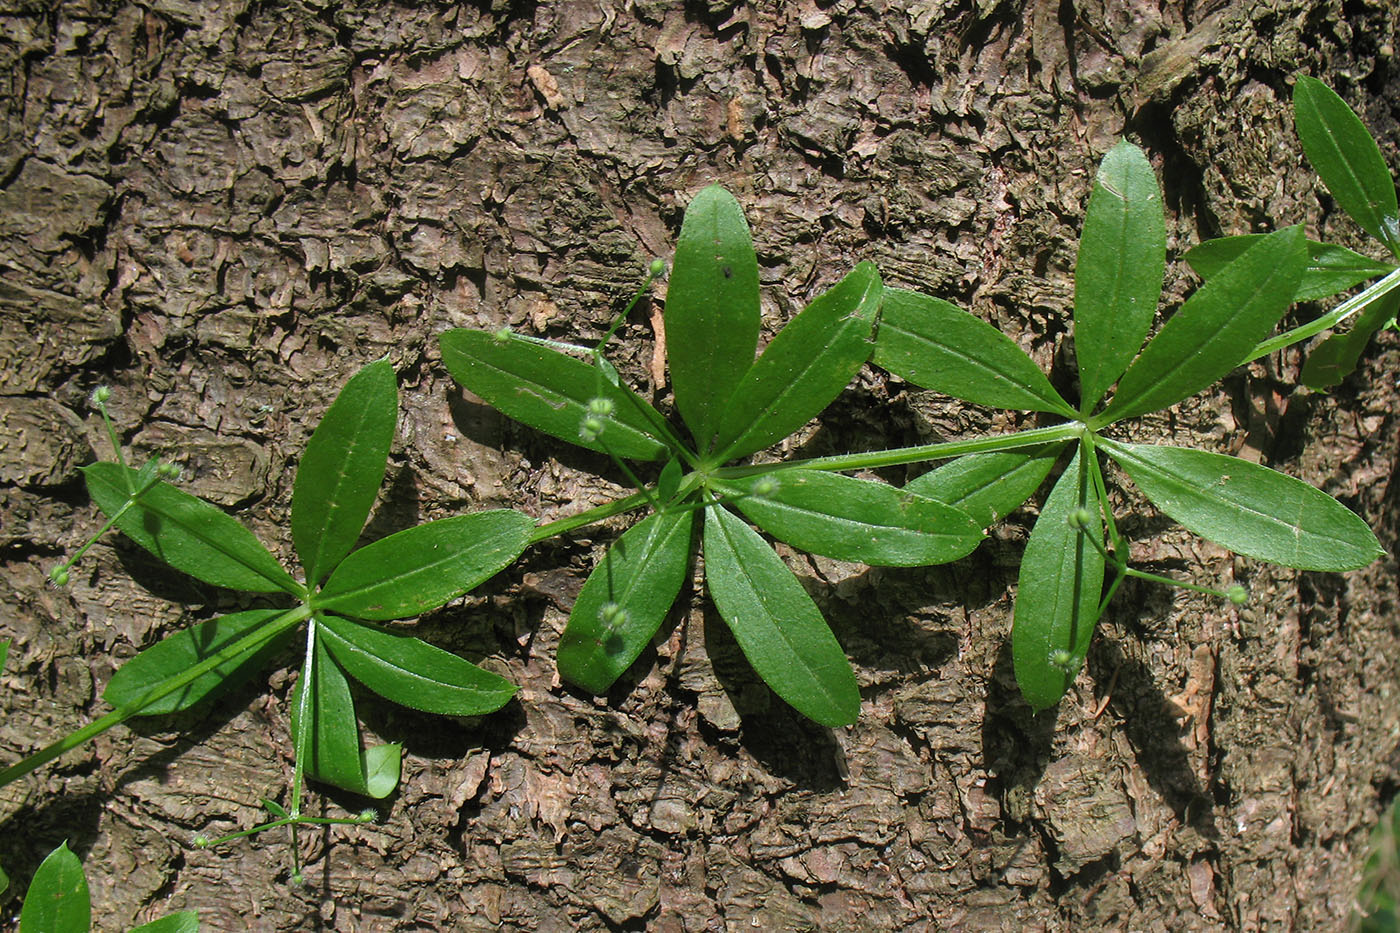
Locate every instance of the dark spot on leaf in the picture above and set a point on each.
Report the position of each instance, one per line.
(728, 272)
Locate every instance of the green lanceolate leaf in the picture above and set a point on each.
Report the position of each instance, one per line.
(189, 534)
(991, 486)
(1118, 276)
(778, 627)
(412, 672)
(332, 746)
(1215, 328)
(1331, 269)
(419, 569)
(342, 468)
(4, 653)
(177, 653)
(1335, 358)
(856, 519)
(938, 346)
(668, 483)
(806, 366)
(1249, 509)
(625, 600)
(548, 390)
(186, 921)
(1057, 593)
(57, 900)
(712, 314)
(1347, 159)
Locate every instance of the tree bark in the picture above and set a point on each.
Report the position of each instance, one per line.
(223, 209)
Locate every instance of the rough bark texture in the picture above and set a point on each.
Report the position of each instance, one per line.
(223, 209)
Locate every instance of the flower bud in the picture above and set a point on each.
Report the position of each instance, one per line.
(58, 575)
(502, 335)
(1080, 518)
(168, 471)
(656, 268)
(764, 487)
(1237, 595)
(1062, 658)
(591, 428)
(101, 394)
(602, 407)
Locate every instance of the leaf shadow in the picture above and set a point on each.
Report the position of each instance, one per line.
(30, 833)
(1150, 722)
(1017, 742)
(784, 741)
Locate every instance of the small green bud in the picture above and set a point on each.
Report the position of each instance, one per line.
(1237, 595)
(101, 394)
(168, 471)
(764, 487)
(602, 407)
(591, 428)
(1062, 658)
(1080, 518)
(612, 614)
(657, 268)
(58, 575)
(201, 842)
(503, 335)
(297, 878)
(368, 815)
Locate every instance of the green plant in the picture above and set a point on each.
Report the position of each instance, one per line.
(734, 406)
(57, 901)
(1378, 901)
(1350, 164)
(731, 405)
(345, 591)
(1242, 506)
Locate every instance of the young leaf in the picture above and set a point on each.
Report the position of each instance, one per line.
(185, 921)
(421, 568)
(778, 627)
(1331, 269)
(548, 390)
(1209, 335)
(1057, 593)
(412, 672)
(933, 344)
(1347, 159)
(712, 313)
(333, 735)
(177, 653)
(383, 767)
(857, 519)
(806, 366)
(342, 468)
(189, 534)
(991, 486)
(57, 900)
(1335, 358)
(4, 653)
(669, 482)
(1250, 509)
(1118, 275)
(625, 600)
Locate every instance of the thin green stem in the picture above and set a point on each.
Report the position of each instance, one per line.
(587, 517)
(631, 477)
(876, 459)
(617, 322)
(285, 821)
(1101, 493)
(1346, 309)
(301, 739)
(116, 442)
(249, 642)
